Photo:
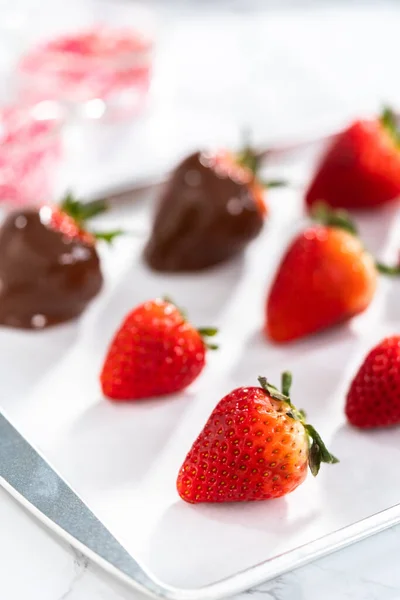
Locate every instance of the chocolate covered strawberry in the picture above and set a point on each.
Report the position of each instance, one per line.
(373, 399)
(326, 277)
(361, 168)
(212, 208)
(256, 445)
(155, 352)
(49, 266)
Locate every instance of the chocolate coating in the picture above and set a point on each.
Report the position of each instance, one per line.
(45, 278)
(204, 217)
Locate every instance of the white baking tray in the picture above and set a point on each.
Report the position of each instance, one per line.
(123, 459)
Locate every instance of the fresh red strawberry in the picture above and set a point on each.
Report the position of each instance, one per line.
(156, 351)
(325, 277)
(373, 399)
(361, 168)
(255, 445)
(70, 219)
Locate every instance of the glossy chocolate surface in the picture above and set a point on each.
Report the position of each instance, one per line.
(45, 277)
(204, 217)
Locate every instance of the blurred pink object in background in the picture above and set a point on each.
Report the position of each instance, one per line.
(110, 65)
(29, 153)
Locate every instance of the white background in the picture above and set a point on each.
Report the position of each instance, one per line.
(281, 72)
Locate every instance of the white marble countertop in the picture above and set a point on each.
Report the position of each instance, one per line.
(37, 566)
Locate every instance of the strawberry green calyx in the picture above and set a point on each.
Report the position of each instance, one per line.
(273, 391)
(389, 121)
(252, 160)
(82, 212)
(249, 159)
(325, 215)
(286, 383)
(318, 452)
(107, 236)
(204, 332)
(387, 269)
(207, 332)
(273, 183)
(181, 311)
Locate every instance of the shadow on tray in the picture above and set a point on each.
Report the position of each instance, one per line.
(113, 444)
(202, 295)
(209, 542)
(34, 353)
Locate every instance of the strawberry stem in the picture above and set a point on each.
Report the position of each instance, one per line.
(249, 159)
(246, 157)
(286, 383)
(273, 391)
(318, 452)
(333, 218)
